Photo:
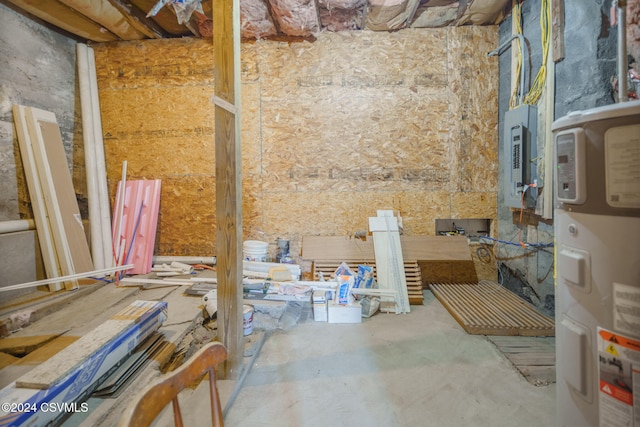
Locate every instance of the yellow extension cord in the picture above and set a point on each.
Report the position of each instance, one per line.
(545, 28)
(535, 92)
(517, 17)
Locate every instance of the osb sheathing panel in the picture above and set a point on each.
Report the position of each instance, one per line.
(474, 99)
(157, 114)
(331, 131)
(362, 118)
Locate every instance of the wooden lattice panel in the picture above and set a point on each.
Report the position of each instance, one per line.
(411, 271)
(487, 308)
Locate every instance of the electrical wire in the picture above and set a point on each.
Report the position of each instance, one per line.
(517, 17)
(527, 245)
(535, 92)
(522, 208)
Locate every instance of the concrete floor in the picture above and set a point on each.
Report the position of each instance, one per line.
(417, 369)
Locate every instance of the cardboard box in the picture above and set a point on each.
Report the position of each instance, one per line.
(319, 304)
(338, 313)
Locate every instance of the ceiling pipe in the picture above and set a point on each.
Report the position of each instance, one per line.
(17, 225)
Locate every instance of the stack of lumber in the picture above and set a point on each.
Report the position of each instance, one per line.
(68, 376)
(327, 252)
(385, 229)
(64, 246)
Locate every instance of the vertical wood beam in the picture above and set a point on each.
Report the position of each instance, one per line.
(557, 18)
(226, 52)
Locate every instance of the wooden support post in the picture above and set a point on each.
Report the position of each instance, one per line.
(557, 18)
(226, 48)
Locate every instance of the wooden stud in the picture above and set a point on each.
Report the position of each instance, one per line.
(66, 18)
(226, 52)
(557, 30)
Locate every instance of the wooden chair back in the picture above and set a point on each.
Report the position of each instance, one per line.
(152, 400)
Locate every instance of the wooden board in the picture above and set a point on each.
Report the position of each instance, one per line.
(414, 248)
(487, 308)
(6, 360)
(62, 193)
(21, 346)
(21, 366)
(411, 271)
(50, 169)
(66, 18)
(534, 357)
(389, 261)
(74, 356)
(44, 353)
(36, 196)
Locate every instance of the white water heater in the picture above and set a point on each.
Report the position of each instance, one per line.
(597, 231)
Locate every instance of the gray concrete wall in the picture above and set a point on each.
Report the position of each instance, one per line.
(37, 69)
(582, 81)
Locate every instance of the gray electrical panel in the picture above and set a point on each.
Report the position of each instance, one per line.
(520, 154)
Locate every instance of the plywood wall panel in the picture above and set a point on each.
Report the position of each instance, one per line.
(186, 224)
(474, 90)
(158, 115)
(154, 63)
(474, 205)
(332, 131)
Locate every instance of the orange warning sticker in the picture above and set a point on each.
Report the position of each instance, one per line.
(619, 340)
(618, 358)
(617, 392)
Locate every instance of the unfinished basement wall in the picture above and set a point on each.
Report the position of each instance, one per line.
(582, 81)
(37, 69)
(332, 131)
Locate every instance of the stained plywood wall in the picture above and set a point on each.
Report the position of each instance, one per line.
(332, 131)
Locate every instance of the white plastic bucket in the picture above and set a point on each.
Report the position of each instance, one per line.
(255, 250)
(247, 319)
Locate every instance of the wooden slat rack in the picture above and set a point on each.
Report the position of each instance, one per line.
(487, 308)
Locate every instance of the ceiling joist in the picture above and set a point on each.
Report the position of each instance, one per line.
(111, 20)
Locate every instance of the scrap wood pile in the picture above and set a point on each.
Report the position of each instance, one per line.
(99, 363)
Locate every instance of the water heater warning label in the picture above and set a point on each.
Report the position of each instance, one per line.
(626, 309)
(619, 379)
(622, 161)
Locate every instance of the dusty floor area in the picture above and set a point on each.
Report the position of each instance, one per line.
(415, 369)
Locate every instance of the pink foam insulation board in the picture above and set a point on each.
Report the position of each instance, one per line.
(134, 232)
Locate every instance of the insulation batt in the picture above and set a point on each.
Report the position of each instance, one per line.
(296, 17)
(256, 20)
(435, 17)
(341, 4)
(386, 14)
(340, 19)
